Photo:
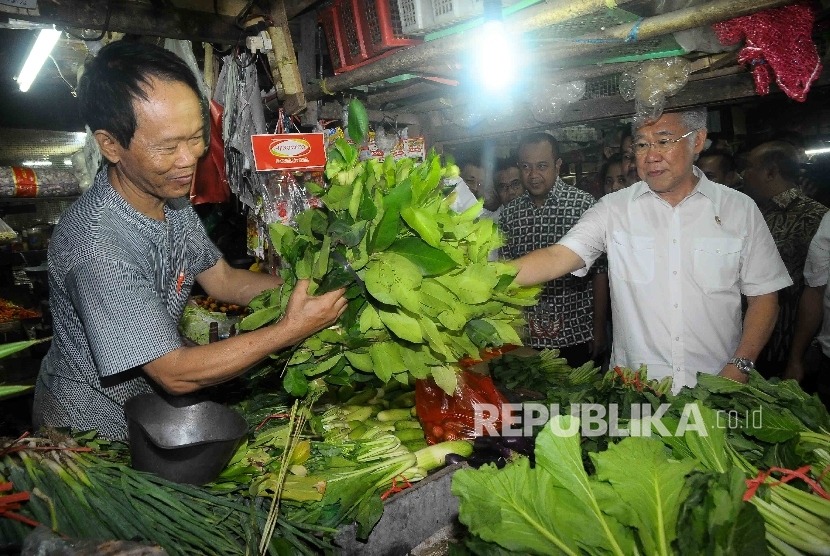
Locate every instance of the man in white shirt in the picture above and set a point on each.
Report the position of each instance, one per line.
(681, 251)
(815, 302)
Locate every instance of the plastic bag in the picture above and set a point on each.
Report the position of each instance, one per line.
(651, 82)
(210, 184)
(553, 98)
(453, 417)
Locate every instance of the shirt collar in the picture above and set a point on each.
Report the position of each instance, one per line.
(552, 194)
(102, 180)
(704, 186)
(785, 198)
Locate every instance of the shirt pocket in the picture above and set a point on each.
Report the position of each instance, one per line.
(632, 258)
(717, 262)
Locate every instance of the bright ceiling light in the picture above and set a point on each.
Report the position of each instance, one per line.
(494, 61)
(40, 51)
(36, 163)
(817, 151)
(67, 162)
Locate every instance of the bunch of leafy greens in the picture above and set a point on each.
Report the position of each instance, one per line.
(421, 291)
(633, 500)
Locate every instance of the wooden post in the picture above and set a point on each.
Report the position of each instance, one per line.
(286, 59)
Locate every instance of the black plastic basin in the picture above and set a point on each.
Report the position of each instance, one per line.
(186, 444)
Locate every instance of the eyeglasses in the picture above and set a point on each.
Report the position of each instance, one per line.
(661, 145)
(514, 185)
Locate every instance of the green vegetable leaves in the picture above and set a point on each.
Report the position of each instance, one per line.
(358, 121)
(519, 508)
(419, 284)
(640, 471)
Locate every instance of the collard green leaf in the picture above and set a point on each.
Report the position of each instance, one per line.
(393, 280)
(295, 382)
(337, 277)
(416, 361)
(506, 334)
(423, 224)
(402, 325)
(519, 508)
(558, 453)
(321, 265)
(360, 361)
(429, 260)
(482, 333)
(369, 319)
(647, 483)
(347, 234)
(446, 378)
(325, 365)
(709, 448)
(281, 236)
(775, 426)
(260, 318)
(386, 360)
(358, 121)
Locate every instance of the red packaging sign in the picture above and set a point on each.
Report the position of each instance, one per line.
(289, 151)
(25, 182)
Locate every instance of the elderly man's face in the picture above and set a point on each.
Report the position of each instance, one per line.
(509, 184)
(168, 141)
(667, 168)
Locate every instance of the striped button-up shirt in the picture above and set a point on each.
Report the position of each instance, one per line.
(118, 284)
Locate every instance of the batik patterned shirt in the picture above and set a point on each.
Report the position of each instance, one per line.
(793, 220)
(565, 313)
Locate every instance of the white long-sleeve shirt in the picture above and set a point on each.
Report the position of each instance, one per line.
(817, 272)
(677, 274)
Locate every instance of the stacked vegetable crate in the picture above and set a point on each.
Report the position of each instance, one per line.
(359, 31)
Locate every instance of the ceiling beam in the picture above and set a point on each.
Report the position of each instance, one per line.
(704, 92)
(295, 8)
(134, 18)
(531, 19)
(658, 25)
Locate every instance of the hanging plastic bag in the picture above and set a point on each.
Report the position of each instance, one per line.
(652, 82)
(210, 184)
(549, 105)
(454, 417)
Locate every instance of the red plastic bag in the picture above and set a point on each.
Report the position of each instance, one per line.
(210, 184)
(454, 417)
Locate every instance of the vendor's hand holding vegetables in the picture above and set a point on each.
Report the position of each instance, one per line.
(682, 250)
(125, 256)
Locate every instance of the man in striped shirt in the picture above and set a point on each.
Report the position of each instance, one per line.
(125, 256)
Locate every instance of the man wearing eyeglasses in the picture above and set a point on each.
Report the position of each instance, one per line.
(681, 251)
(508, 181)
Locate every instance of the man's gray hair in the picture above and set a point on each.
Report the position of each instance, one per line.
(694, 118)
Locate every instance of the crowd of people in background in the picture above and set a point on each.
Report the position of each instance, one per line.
(535, 208)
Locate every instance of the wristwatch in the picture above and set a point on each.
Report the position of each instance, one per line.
(743, 364)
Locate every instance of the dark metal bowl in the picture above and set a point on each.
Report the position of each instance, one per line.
(185, 444)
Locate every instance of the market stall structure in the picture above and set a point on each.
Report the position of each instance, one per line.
(388, 230)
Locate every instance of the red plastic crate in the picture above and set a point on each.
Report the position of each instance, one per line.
(381, 24)
(354, 41)
(334, 37)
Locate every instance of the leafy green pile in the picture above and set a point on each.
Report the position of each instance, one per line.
(587, 494)
(421, 292)
(556, 508)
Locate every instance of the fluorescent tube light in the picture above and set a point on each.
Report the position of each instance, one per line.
(40, 51)
(36, 163)
(825, 150)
